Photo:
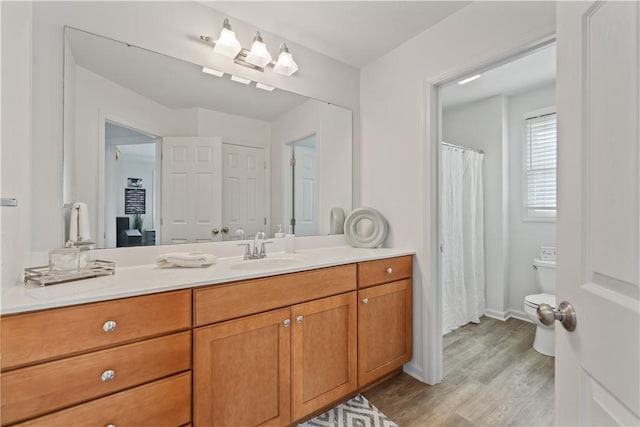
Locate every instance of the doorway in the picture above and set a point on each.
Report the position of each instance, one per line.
(304, 186)
(132, 184)
(486, 259)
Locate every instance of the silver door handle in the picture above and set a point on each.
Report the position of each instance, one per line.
(565, 314)
(225, 230)
(215, 231)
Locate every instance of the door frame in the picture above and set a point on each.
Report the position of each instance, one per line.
(432, 342)
(103, 118)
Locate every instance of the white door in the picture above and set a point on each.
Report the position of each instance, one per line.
(597, 365)
(243, 190)
(305, 190)
(191, 189)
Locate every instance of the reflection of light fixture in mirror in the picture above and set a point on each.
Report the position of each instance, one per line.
(212, 72)
(265, 87)
(240, 80)
(259, 55)
(227, 44)
(285, 65)
(470, 79)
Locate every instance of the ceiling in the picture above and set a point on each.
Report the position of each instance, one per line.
(175, 83)
(520, 75)
(353, 32)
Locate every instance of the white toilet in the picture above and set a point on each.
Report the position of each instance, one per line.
(546, 276)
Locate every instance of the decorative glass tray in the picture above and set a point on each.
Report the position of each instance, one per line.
(44, 276)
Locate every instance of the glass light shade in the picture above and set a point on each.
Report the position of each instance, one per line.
(259, 55)
(227, 45)
(285, 65)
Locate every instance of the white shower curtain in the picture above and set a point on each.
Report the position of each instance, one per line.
(462, 237)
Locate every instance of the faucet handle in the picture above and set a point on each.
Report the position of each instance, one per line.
(263, 252)
(247, 249)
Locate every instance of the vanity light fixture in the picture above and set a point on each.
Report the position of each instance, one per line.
(240, 80)
(265, 87)
(259, 55)
(258, 58)
(212, 72)
(469, 79)
(227, 44)
(285, 65)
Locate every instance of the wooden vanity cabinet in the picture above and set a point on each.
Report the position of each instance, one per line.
(385, 317)
(242, 371)
(384, 329)
(98, 362)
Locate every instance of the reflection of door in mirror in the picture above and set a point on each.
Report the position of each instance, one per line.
(191, 189)
(131, 181)
(303, 167)
(243, 190)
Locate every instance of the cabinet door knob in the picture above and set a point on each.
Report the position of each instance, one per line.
(299, 319)
(110, 425)
(109, 325)
(389, 270)
(108, 375)
(286, 323)
(365, 300)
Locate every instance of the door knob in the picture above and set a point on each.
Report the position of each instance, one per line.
(225, 230)
(565, 314)
(215, 231)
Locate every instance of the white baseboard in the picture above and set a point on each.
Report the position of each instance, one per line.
(501, 315)
(520, 315)
(498, 315)
(412, 369)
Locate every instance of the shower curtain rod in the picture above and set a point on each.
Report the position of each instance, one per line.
(461, 147)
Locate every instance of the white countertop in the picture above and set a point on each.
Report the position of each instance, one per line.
(148, 279)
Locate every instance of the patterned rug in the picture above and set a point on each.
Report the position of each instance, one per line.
(357, 412)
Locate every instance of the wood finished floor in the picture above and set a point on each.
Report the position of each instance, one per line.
(492, 377)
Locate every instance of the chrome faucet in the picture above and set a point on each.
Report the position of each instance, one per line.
(256, 254)
(262, 253)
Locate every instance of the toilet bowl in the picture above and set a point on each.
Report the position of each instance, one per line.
(544, 341)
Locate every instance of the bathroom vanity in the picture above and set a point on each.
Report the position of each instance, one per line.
(233, 344)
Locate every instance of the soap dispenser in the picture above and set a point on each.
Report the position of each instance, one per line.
(279, 234)
(290, 241)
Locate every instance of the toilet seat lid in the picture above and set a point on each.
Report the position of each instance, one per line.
(543, 298)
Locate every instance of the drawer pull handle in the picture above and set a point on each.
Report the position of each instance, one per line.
(108, 375)
(110, 425)
(365, 300)
(109, 326)
(287, 323)
(299, 319)
(389, 270)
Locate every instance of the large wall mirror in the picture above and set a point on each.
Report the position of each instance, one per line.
(152, 143)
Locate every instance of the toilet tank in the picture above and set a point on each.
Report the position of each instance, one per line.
(546, 275)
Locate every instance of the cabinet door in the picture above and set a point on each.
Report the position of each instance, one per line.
(323, 346)
(384, 329)
(242, 372)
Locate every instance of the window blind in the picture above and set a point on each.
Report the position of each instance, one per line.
(541, 165)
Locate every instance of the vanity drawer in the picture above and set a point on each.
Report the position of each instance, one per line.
(47, 387)
(45, 335)
(223, 302)
(162, 403)
(386, 270)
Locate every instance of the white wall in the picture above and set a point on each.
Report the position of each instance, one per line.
(234, 129)
(525, 237)
(332, 126)
(171, 28)
(395, 175)
(479, 125)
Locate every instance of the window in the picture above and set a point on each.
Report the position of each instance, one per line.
(541, 149)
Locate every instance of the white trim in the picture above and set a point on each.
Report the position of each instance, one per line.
(433, 370)
(540, 112)
(413, 369)
(520, 315)
(498, 315)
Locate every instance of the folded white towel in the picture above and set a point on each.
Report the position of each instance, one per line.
(185, 259)
(79, 227)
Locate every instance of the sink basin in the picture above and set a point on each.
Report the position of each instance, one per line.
(265, 264)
